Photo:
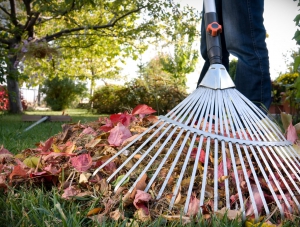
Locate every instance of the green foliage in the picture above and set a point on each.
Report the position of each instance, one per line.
(114, 99)
(287, 78)
(67, 25)
(106, 99)
(232, 68)
(62, 92)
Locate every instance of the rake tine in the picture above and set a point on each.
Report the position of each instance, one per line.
(207, 150)
(173, 165)
(178, 183)
(227, 109)
(163, 162)
(199, 107)
(189, 193)
(216, 159)
(224, 155)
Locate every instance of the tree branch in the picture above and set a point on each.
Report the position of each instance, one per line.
(110, 24)
(5, 11)
(13, 15)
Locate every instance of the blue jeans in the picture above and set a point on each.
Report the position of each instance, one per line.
(244, 37)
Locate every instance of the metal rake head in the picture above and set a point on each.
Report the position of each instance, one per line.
(218, 148)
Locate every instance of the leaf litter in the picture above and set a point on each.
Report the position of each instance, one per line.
(68, 159)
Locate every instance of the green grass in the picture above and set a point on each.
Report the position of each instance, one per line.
(13, 137)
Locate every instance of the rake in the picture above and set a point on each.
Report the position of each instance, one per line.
(216, 146)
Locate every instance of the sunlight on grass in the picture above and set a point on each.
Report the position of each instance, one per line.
(13, 137)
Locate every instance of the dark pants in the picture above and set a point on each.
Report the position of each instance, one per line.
(244, 37)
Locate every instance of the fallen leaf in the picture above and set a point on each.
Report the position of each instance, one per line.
(94, 211)
(31, 162)
(84, 177)
(132, 223)
(142, 215)
(47, 145)
(108, 126)
(18, 171)
(291, 134)
(123, 118)
(143, 109)
(88, 131)
(140, 201)
(82, 162)
(141, 185)
(70, 192)
(118, 134)
(5, 154)
(194, 206)
(230, 214)
(258, 202)
(297, 127)
(116, 215)
(114, 183)
(286, 120)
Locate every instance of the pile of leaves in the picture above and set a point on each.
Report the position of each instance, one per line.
(69, 159)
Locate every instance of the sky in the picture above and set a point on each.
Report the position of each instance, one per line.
(278, 21)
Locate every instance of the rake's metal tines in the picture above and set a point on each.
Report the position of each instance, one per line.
(247, 162)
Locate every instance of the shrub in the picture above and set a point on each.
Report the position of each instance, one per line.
(4, 104)
(61, 93)
(106, 99)
(4, 100)
(116, 98)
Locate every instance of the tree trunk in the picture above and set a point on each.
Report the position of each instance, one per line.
(13, 88)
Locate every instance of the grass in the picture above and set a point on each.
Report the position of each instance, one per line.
(15, 140)
(35, 206)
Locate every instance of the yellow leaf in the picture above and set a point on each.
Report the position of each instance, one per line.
(31, 162)
(55, 148)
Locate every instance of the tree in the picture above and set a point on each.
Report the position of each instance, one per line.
(36, 28)
(184, 58)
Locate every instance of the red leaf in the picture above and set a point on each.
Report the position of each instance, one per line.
(88, 131)
(143, 109)
(4, 154)
(193, 206)
(202, 154)
(82, 162)
(108, 126)
(18, 171)
(47, 145)
(140, 201)
(258, 202)
(123, 118)
(118, 134)
(291, 133)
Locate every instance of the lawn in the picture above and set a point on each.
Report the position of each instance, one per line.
(42, 206)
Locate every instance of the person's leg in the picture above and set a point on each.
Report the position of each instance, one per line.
(203, 49)
(245, 38)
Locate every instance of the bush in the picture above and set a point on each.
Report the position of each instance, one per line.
(62, 93)
(106, 99)
(116, 98)
(4, 100)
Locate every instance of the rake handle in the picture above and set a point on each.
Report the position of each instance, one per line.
(213, 30)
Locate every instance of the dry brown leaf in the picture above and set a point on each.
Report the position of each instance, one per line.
(141, 185)
(116, 215)
(231, 214)
(185, 220)
(297, 126)
(84, 177)
(286, 120)
(141, 215)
